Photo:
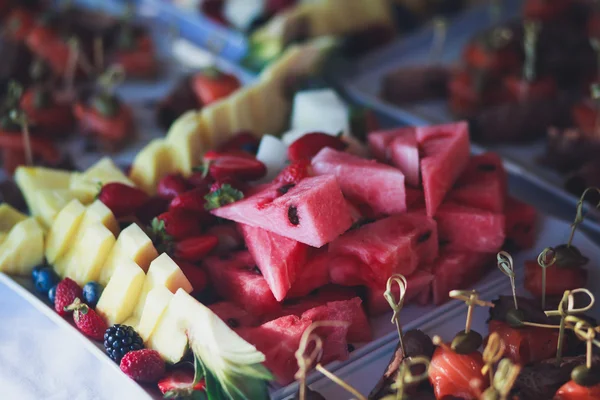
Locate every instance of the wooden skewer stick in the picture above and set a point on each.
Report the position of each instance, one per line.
(586, 332)
(566, 307)
(471, 299)
(396, 306)
(579, 217)
(492, 354)
(405, 376)
(506, 265)
(545, 263)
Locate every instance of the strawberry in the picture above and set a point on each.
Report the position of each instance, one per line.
(143, 365)
(67, 291)
(195, 248)
(238, 167)
(121, 199)
(172, 186)
(178, 224)
(178, 384)
(194, 274)
(87, 321)
(192, 201)
(229, 238)
(222, 196)
(244, 141)
(294, 172)
(211, 85)
(310, 144)
(200, 180)
(151, 209)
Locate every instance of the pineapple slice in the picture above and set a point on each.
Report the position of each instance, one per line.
(151, 164)
(49, 202)
(162, 272)
(241, 116)
(9, 217)
(87, 184)
(155, 305)
(132, 244)
(120, 296)
(255, 104)
(84, 262)
(186, 139)
(98, 212)
(23, 248)
(218, 125)
(32, 179)
(63, 230)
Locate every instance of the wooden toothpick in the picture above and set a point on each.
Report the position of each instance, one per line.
(406, 378)
(566, 307)
(545, 263)
(471, 299)
(579, 217)
(492, 353)
(396, 306)
(506, 265)
(586, 332)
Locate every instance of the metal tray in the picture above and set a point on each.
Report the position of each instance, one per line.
(361, 82)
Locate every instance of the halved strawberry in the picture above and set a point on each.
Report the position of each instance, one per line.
(123, 200)
(238, 167)
(179, 383)
(310, 144)
(192, 200)
(172, 186)
(195, 248)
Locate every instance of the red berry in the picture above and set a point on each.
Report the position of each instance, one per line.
(229, 238)
(121, 199)
(143, 365)
(194, 274)
(151, 209)
(179, 382)
(195, 248)
(244, 141)
(200, 180)
(192, 200)
(172, 186)
(237, 167)
(87, 321)
(180, 224)
(294, 172)
(67, 291)
(310, 144)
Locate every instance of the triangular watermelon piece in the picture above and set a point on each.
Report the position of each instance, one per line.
(313, 212)
(279, 259)
(379, 142)
(520, 219)
(364, 181)
(469, 229)
(346, 270)
(483, 185)
(233, 315)
(444, 156)
(415, 199)
(237, 279)
(279, 339)
(313, 275)
(417, 284)
(458, 270)
(404, 152)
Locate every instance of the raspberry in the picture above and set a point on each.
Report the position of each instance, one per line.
(67, 291)
(143, 365)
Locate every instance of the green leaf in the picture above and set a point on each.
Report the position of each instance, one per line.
(223, 196)
(198, 370)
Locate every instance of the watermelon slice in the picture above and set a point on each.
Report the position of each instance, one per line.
(279, 259)
(520, 219)
(313, 275)
(444, 156)
(313, 212)
(346, 271)
(483, 185)
(234, 316)
(391, 245)
(469, 229)
(415, 199)
(237, 279)
(380, 141)
(418, 284)
(458, 270)
(364, 181)
(404, 152)
(279, 339)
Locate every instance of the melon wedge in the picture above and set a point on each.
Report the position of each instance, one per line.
(313, 275)
(22, 248)
(313, 212)
(445, 154)
(363, 181)
(279, 259)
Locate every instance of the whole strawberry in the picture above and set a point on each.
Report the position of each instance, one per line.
(236, 166)
(87, 321)
(143, 365)
(245, 141)
(121, 199)
(294, 172)
(178, 224)
(195, 248)
(192, 200)
(310, 144)
(172, 186)
(67, 291)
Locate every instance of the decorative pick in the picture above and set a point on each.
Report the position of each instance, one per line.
(19, 117)
(492, 354)
(305, 361)
(584, 375)
(532, 29)
(471, 299)
(396, 306)
(566, 307)
(99, 52)
(545, 263)
(440, 30)
(505, 264)
(111, 78)
(406, 378)
(579, 217)
(502, 382)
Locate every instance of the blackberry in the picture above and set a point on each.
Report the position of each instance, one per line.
(120, 340)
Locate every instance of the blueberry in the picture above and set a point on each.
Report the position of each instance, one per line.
(91, 293)
(36, 271)
(44, 280)
(52, 294)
